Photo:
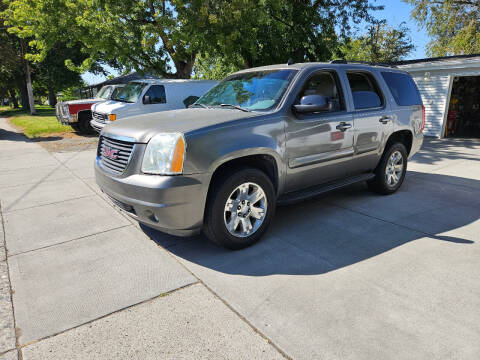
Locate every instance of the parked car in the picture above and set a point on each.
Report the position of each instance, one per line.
(77, 113)
(263, 136)
(149, 96)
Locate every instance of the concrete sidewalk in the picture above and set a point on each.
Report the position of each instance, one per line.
(72, 259)
(349, 275)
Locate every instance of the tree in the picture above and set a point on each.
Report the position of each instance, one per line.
(14, 68)
(381, 44)
(453, 25)
(165, 37)
(52, 73)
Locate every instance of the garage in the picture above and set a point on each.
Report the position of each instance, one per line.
(450, 89)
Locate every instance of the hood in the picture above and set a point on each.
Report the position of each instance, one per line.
(143, 127)
(109, 106)
(83, 101)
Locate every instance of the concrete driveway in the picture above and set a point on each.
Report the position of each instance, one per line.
(350, 275)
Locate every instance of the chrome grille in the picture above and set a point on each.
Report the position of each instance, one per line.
(62, 110)
(101, 118)
(114, 154)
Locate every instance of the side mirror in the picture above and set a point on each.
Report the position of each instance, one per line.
(147, 99)
(312, 103)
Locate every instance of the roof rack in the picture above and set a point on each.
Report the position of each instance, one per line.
(343, 61)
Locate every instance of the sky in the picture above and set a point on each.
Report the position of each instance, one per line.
(395, 12)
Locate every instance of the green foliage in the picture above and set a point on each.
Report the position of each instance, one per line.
(153, 35)
(381, 44)
(214, 68)
(453, 25)
(43, 123)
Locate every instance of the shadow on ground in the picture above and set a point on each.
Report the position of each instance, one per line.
(17, 136)
(325, 234)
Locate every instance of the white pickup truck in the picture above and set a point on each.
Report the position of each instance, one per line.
(148, 96)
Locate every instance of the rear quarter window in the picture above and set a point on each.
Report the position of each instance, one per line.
(403, 88)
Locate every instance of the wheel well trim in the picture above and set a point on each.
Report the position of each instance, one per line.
(244, 153)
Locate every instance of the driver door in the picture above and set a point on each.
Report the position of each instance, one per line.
(319, 145)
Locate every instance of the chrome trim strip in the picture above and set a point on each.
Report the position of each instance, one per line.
(118, 137)
(319, 158)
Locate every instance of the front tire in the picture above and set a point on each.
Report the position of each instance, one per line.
(84, 125)
(240, 208)
(391, 170)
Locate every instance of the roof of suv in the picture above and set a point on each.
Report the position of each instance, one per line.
(301, 66)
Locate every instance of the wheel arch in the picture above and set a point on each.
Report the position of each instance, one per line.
(403, 136)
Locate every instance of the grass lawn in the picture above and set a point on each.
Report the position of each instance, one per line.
(38, 125)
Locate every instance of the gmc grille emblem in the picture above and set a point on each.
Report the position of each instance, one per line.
(109, 153)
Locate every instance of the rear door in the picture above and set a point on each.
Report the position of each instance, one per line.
(319, 145)
(373, 120)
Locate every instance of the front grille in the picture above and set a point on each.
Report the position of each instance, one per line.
(62, 110)
(114, 154)
(101, 118)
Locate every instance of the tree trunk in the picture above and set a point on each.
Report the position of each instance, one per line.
(52, 97)
(28, 79)
(13, 99)
(31, 101)
(184, 68)
(24, 96)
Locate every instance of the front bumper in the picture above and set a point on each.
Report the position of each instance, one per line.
(97, 126)
(171, 204)
(71, 119)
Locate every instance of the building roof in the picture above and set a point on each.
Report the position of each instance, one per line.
(441, 63)
(434, 59)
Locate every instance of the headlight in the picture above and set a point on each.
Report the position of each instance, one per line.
(164, 154)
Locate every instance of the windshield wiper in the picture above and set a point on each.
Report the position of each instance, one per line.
(201, 105)
(235, 107)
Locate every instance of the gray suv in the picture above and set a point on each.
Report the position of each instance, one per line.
(263, 136)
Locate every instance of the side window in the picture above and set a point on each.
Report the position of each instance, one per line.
(365, 91)
(403, 88)
(325, 84)
(157, 94)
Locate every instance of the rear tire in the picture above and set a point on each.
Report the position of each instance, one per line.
(391, 170)
(240, 208)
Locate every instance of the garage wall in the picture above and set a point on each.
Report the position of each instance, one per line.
(434, 92)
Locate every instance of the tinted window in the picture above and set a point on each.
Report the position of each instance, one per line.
(157, 94)
(324, 84)
(365, 90)
(403, 88)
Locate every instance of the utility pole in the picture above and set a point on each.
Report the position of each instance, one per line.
(28, 79)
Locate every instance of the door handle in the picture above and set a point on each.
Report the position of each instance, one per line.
(343, 126)
(385, 119)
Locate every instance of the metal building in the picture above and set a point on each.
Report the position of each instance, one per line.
(450, 88)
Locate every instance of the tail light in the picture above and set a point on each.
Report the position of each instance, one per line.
(423, 118)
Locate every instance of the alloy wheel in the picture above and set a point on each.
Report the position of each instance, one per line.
(245, 210)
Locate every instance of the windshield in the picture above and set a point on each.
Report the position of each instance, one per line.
(105, 92)
(259, 90)
(130, 92)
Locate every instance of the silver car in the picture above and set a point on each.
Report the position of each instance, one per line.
(263, 136)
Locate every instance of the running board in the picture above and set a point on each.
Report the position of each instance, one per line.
(313, 191)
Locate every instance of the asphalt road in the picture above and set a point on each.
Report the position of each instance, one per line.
(349, 275)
